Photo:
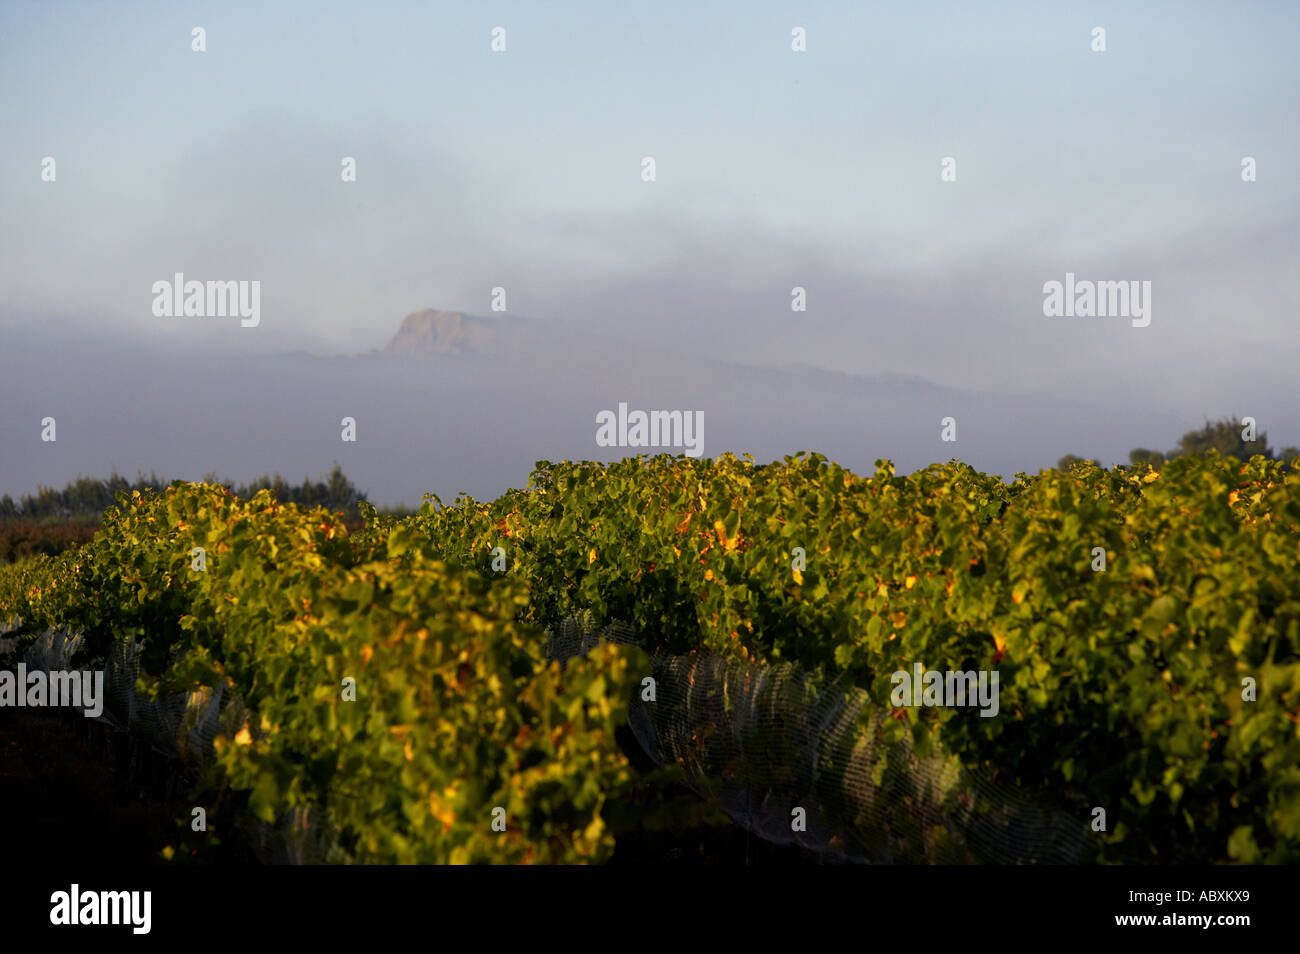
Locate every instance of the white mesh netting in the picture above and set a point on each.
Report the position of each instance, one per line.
(764, 740)
(767, 740)
(181, 727)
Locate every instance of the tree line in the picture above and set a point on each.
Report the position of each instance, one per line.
(86, 498)
(1227, 436)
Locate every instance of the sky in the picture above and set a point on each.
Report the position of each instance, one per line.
(522, 169)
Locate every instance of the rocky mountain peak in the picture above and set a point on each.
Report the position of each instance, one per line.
(439, 332)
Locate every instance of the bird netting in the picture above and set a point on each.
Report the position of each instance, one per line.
(792, 760)
(182, 727)
(795, 761)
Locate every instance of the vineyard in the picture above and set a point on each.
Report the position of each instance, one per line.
(481, 682)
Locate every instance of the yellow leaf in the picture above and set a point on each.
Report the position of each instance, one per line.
(899, 618)
(440, 807)
(727, 545)
(909, 582)
(999, 642)
(366, 652)
(243, 736)
(708, 574)
(591, 557)
(798, 577)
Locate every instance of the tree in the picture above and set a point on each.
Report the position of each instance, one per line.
(1225, 436)
(1141, 455)
(1069, 460)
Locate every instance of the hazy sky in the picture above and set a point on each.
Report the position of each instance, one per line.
(522, 169)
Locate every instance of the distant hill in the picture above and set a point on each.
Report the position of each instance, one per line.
(442, 332)
(456, 402)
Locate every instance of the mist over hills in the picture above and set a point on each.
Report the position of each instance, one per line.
(458, 402)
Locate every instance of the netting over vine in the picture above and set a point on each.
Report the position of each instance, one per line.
(791, 760)
(769, 740)
(183, 726)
